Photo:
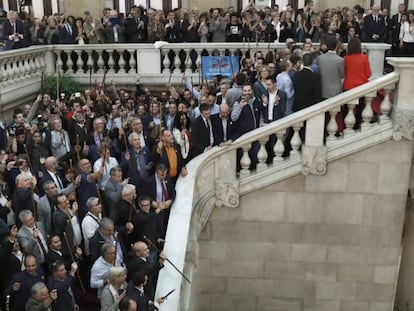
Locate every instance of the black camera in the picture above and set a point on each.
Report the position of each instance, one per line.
(16, 130)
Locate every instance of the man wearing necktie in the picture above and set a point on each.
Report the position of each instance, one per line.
(160, 188)
(32, 237)
(14, 33)
(136, 27)
(374, 26)
(395, 29)
(201, 131)
(67, 34)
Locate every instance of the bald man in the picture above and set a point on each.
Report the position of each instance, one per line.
(223, 127)
(138, 262)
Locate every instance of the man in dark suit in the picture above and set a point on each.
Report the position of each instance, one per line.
(136, 27)
(67, 33)
(246, 115)
(274, 108)
(137, 162)
(137, 261)
(395, 28)
(57, 253)
(136, 290)
(51, 173)
(160, 188)
(14, 32)
(306, 12)
(307, 85)
(62, 282)
(246, 112)
(374, 26)
(202, 136)
(66, 223)
(223, 126)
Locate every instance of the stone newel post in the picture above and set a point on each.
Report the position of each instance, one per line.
(403, 108)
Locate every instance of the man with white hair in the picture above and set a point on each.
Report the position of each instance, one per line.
(41, 299)
(14, 32)
(23, 195)
(374, 26)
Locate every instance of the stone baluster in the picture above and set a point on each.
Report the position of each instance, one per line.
(177, 62)
(367, 113)
(59, 62)
(166, 64)
(16, 69)
(198, 64)
(9, 72)
(132, 61)
(350, 118)
(79, 61)
(296, 141)
(3, 73)
(41, 59)
(22, 66)
(279, 147)
(262, 154)
(188, 64)
(69, 62)
(111, 62)
(121, 62)
(28, 66)
(332, 127)
(245, 161)
(36, 63)
(386, 105)
(19, 69)
(101, 62)
(89, 62)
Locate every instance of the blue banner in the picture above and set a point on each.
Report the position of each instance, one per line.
(226, 66)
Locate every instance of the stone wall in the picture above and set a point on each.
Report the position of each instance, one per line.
(315, 243)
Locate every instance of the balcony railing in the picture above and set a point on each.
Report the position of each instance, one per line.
(213, 179)
(21, 71)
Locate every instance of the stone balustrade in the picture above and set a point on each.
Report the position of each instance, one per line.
(213, 180)
(22, 70)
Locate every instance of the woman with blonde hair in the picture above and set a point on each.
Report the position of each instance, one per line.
(114, 290)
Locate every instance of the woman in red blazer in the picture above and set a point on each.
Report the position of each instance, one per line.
(357, 68)
(357, 72)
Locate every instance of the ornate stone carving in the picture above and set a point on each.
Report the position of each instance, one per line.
(227, 193)
(403, 124)
(314, 159)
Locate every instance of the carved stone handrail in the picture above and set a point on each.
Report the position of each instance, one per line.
(213, 180)
(22, 69)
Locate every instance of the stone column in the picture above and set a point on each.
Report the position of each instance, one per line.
(403, 103)
(376, 55)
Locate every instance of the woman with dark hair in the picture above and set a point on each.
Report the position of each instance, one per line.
(81, 37)
(357, 72)
(37, 151)
(357, 68)
(407, 35)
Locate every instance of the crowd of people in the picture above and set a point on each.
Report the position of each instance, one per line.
(252, 24)
(88, 179)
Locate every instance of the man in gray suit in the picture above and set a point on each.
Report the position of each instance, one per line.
(113, 191)
(332, 70)
(46, 205)
(32, 236)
